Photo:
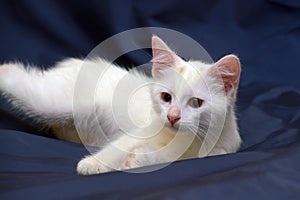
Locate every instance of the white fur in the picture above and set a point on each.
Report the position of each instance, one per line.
(49, 97)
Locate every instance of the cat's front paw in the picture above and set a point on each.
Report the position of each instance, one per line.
(90, 165)
(139, 158)
(133, 161)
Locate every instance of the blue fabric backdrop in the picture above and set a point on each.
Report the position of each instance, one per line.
(264, 34)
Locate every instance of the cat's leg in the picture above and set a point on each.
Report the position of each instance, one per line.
(111, 157)
(140, 156)
(127, 152)
(124, 153)
(217, 151)
(224, 147)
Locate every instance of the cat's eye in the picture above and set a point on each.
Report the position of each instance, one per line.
(166, 97)
(195, 102)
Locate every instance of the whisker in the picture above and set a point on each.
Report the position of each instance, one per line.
(199, 136)
(199, 130)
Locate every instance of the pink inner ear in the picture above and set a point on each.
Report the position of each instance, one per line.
(229, 69)
(162, 54)
(163, 57)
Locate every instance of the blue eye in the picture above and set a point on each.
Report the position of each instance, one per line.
(195, 102)
(166, 97)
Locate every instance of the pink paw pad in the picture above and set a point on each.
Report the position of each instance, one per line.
(131, 155)
(127, 163)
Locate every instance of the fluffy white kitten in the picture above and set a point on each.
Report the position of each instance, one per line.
(144, 120)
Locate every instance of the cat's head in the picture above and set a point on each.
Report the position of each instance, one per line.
(186, 91)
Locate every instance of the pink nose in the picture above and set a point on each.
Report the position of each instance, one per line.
(173, 119)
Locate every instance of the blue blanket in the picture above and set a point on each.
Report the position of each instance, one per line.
(264, 34)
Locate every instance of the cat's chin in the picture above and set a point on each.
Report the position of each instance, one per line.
(176, 129)
(172, 128)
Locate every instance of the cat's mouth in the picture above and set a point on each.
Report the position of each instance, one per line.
(173, 127)
(177, 128)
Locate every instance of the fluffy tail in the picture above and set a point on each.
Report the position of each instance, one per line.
(43, 95)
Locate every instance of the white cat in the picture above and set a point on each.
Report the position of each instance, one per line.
(145, 120)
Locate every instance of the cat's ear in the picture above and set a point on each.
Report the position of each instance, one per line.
(163, 57)
(229, 68)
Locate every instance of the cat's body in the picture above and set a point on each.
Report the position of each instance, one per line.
(146, 120)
